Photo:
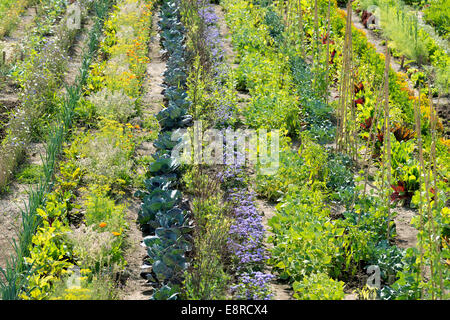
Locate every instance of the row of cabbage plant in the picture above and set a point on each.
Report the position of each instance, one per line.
(162, 214)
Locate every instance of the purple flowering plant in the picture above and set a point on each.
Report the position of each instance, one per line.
(246, 234)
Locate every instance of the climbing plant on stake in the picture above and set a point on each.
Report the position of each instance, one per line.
(387, 143)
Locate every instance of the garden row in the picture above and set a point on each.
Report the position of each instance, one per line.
(368, 80)
(14, 275)
(206, 244)
(10, 12)
(161, 214)
(77, 249)
(229, 238)
(37, 67)
(313, 247)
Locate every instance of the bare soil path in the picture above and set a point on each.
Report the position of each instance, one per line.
(76, 53)
(135, 287)
(9, 44)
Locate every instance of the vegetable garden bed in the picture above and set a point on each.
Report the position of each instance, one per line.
(290, 157)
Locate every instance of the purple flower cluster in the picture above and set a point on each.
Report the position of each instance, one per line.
(212, 34)
(246, 237)
(208, 15)
(247, 232)
(214, 43)
(253, 286)
(225, 109)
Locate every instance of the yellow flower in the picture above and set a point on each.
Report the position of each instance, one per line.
(102, 224)
(116, 233)
(85, 271)
(445, 142)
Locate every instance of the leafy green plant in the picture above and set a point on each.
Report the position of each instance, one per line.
(105, 156)
(18, 272)
(166, 293)
(164, 165)
(173, 117)
(113, 105)
(30, 174)
(436, 14)
(166, 251)
(305, 240)
(318, 286)
(405, 171)
(155, 201)
(388, 259)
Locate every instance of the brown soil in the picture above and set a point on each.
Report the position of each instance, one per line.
(225, 36)
(10, 43)
(8, 53)
(135, 287)
(12, 203)
(406, 233)
(76, 54)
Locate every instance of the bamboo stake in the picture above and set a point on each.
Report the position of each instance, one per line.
(370, 140)
(288, 23)
(327, 61)
(315, 53)
(370, 146)
(282, 11)
(352, 138)
(387, 133)
(419, 145)
(425, 178)
(349, 85)
(300, 21)
(433, 163)
(343, 91)
(441, 284)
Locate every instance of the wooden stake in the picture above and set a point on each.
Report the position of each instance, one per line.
(300, 21)
(343, 90)
(327, 62)
(370, 140)
(421, 227)
(441, 284)
(387, 135)
(433, 120)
